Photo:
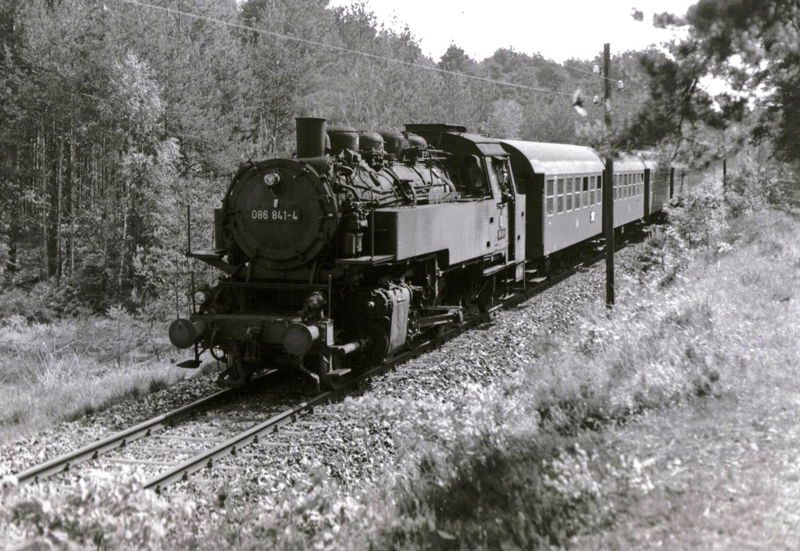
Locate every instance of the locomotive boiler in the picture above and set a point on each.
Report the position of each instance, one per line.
(355, 249)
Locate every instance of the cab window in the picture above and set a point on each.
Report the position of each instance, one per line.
(473, 179)
(500, 175)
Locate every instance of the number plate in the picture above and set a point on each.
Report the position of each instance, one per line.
(276, 215)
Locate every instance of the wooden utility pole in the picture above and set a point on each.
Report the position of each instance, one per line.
(724, 172)
(608, 184)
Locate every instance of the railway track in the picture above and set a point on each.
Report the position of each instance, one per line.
(210, 457)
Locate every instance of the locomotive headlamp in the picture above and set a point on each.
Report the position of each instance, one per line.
(200, 297)
(272, 178)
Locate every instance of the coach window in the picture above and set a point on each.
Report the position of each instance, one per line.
(550, 196)
(569, 194)
(585, 191)
(560, 198)
(616, 186)
(577, 193)
(592, 187)
(599, 193)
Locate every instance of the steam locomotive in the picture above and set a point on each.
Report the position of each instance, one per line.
(367, 242)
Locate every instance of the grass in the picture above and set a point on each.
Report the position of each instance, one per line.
(667, 422)
(718, 346)
(70, 368)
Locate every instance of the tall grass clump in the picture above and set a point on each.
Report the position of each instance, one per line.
(68, 368)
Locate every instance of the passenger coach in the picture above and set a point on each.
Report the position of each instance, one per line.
(563, 186)
(563, 194)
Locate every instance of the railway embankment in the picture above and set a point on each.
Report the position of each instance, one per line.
(665, 421)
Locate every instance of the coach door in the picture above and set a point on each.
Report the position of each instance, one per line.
(510, 206)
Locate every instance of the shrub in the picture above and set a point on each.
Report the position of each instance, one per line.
(752, 188)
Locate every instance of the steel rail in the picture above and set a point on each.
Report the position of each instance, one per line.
(92, 451)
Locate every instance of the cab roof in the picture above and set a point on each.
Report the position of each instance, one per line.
(455, 138)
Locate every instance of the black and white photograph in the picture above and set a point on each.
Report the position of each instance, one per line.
(399, 275)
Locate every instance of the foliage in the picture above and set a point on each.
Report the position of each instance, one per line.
(118, 118)
(103, 515)
(753, 188)
(64, 369)
(698, 218)
(752, 47)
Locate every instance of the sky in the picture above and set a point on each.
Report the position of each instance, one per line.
(557, 29)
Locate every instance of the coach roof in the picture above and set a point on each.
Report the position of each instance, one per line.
(628, 163)
(556, 158)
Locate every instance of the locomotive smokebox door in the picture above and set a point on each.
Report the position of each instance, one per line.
(282, 214)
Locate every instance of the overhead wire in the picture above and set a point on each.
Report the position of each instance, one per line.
(351, 51)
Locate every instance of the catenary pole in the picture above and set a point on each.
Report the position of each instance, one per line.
(608, 184)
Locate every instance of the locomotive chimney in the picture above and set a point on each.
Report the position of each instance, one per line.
(310, 137)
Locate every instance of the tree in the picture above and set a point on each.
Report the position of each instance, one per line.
(751, 44)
